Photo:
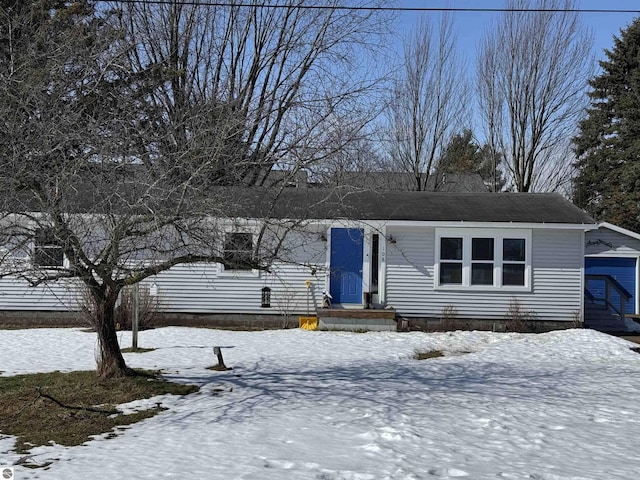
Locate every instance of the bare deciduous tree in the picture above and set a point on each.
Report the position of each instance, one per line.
(112, 172)
(428, 101)
(287, 72)
(532, 73)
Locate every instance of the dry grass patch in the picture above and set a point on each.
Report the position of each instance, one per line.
(428, 354)
(69, 408)
(136, 350)
(425, 355)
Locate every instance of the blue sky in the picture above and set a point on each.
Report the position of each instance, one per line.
(471, 25)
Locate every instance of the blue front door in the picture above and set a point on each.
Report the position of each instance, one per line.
(622, 269)
(345, 282)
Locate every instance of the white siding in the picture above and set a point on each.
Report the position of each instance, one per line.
(556, 279)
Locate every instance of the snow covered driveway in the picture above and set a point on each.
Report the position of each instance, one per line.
(334, 405)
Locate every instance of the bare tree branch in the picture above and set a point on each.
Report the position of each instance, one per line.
(429, 99)
(532, 75)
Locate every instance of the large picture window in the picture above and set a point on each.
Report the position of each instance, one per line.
(483, 258)
(238, 251)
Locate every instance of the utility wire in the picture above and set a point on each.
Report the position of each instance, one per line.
(197, 3)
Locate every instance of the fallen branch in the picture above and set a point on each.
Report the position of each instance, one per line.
(71, 407)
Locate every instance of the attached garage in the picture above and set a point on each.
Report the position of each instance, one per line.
(612, 277)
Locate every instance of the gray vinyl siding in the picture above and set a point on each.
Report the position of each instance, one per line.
(409, 272)
(203, 288)
(604, 242)
(556, 279)
(17, 294)
(207, 288)
(196, 288)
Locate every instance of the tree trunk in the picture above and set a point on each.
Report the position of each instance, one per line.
(111, 363)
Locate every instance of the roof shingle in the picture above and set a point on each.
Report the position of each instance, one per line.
(409, 206)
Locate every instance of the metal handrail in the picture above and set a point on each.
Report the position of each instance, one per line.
(606, 303)
(612, 281)
(609, 282)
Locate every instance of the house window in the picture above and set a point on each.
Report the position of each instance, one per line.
(513, 261)
(450, 261)
(483, 258)
(47, 249)
(238, 251)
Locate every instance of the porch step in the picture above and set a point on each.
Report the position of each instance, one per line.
(351, 320)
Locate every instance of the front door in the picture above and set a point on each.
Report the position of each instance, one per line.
(345, 282)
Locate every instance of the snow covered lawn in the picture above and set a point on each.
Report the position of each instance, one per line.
(329, 405)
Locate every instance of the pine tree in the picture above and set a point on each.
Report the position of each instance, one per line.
(464, 155)
(608, 145)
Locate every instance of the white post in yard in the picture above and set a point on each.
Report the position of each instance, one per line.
(136, 316)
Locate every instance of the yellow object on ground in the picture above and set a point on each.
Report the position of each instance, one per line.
(308, 323)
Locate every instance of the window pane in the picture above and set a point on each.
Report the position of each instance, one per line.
(238, 251)
(48, 251)
(239, 241)
(513, 274)
(450, 248)
(482, 274)
(513, 249)
(48, 257)
(450, 274)
(482, 249)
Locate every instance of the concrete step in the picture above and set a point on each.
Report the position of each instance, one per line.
(356, 319)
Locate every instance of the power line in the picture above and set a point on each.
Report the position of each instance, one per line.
(197, 3)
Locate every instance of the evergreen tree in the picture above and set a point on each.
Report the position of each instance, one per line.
(464, 155)
(608, 146)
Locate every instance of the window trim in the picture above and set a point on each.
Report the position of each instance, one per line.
(498, 235)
